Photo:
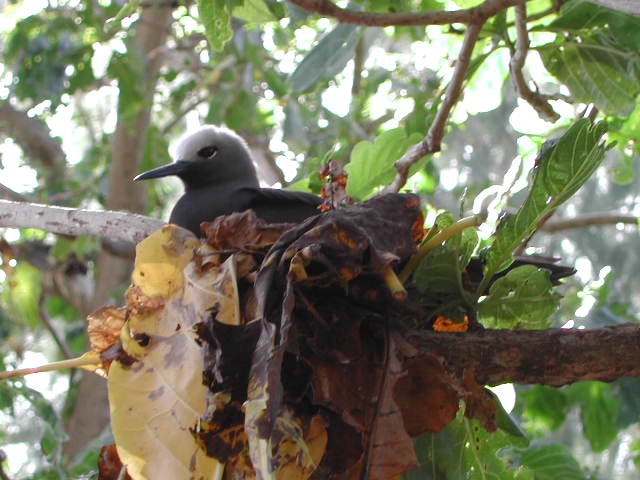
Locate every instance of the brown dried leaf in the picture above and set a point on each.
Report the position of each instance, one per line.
(425, 396)
(242, 231)
(366, 237)
(109, 465)
(479, 404)
(103, 327)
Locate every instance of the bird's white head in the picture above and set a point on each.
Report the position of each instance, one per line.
(211, 155)
(210, 141)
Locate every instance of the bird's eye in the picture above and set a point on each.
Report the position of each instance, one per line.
(207, 152)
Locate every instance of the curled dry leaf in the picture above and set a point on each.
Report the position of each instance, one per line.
(109, 466)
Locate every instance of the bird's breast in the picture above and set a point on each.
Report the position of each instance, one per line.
(203, 205)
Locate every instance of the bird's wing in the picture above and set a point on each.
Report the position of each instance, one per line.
(279, 206)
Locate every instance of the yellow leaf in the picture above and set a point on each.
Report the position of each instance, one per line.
(157, 400)
(299, 463)
(160, 259)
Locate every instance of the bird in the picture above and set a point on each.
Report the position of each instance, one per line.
(219, 177)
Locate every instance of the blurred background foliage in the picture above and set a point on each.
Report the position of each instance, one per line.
(300, 88)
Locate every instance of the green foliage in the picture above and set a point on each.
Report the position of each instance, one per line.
(372, 163)
(564, 166)
(546, 407)
(326, 59)
(440, 272)
(22, 298)
(523, 298)
(466, 450)
(599, 61)
(598, 411)
(254, 11)
(551, 462)
(52, 57)
(215, 15)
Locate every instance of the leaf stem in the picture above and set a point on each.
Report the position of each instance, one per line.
(89, 358)
(438, 239)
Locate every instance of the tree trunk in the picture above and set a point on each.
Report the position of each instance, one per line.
(90, 415)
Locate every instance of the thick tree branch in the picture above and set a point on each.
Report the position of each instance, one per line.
(518, 58)
(115, 226)
(476, 15)
(589, 220)
(9, 194)
(34, 138)
(432, 142)
(549, 357)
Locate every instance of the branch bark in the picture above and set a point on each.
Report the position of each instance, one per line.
(553, 357)
(433, 141)
(115, 226)
(34, 138)
(518, 58)
(476, 15)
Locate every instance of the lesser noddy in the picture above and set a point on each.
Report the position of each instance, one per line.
(215, 166)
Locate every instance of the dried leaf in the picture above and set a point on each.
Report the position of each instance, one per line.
(109, 465)
(103, 327)
(157, 400)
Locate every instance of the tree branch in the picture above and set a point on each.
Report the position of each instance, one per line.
(518, 58)
(34, 138)
(432, 142)
(589, 220)
(476, 15)
(553, 357)
(9, 194)
(115, 226)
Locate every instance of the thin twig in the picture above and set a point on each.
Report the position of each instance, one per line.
(476, 15)
(518, 58)
(591, 219)
(44, 315)
(432, 142)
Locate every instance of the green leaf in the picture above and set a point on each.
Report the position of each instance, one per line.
(597, 69)
(326, 59)
(551, 462)
(504, 421)
(254, 11)
(599, 414)
(624, 173)
(564, 166)
(596, 55)
(523, 298)
(441, 269)
(545, 408)
(372, 164)
(580, 16)
(127, 9)
(466, 450)
(215, 15)
(24, 294)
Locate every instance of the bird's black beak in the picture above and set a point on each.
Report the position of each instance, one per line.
(175, 168)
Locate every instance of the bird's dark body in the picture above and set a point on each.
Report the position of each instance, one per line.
(274, 206)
